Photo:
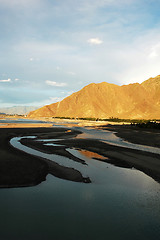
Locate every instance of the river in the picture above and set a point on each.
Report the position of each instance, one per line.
(118, 204)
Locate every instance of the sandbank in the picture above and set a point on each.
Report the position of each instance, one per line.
(19, 169)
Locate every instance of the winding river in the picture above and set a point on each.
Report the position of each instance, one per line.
(93, 166)
(118, 204)
(110, 138)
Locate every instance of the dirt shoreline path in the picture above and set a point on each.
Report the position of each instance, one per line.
(19, 169)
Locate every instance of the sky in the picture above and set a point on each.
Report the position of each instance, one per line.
(52, 48)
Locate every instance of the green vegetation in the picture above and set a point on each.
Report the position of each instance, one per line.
(65, 117)
(112, 119)
(142, 123)
(148, 124)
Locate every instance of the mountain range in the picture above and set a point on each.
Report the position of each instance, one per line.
(20, 110)
(106, 100)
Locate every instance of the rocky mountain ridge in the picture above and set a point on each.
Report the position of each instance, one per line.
(105, 100)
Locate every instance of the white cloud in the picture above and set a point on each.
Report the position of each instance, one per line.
(154, 51)
(56, 84)
(6, 80)
(95, 41)
(16, 79)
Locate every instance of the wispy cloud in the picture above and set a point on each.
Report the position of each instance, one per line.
(90, 38)
(95, 41)
(154, 51)
(55, 84)
(6, 80)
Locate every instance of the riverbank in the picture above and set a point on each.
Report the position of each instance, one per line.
(25, 125)
(21, 169)
(18, 169)
(134, 134)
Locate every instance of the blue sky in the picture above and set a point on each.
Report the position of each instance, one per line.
(49, 48)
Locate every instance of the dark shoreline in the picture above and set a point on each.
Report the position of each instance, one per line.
(133, 134)
(19, 169)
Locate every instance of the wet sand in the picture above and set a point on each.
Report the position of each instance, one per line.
(133, 134)
(21, 169)
(25, 125)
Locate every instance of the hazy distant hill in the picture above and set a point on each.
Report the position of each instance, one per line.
(21, 110)
(104, 100)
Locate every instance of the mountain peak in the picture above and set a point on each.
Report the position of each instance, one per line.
(104, 100)
(155, 80)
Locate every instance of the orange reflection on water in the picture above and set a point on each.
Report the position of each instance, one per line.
(90, 154)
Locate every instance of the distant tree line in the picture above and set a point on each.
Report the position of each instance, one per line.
(148, 124)
(142, 123)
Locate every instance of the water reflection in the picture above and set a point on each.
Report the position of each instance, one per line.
(98, 171)
(119, 204)
(111, 138)
(61, 160)
(91, 155)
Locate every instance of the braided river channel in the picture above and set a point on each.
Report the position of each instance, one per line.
(119, 203)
